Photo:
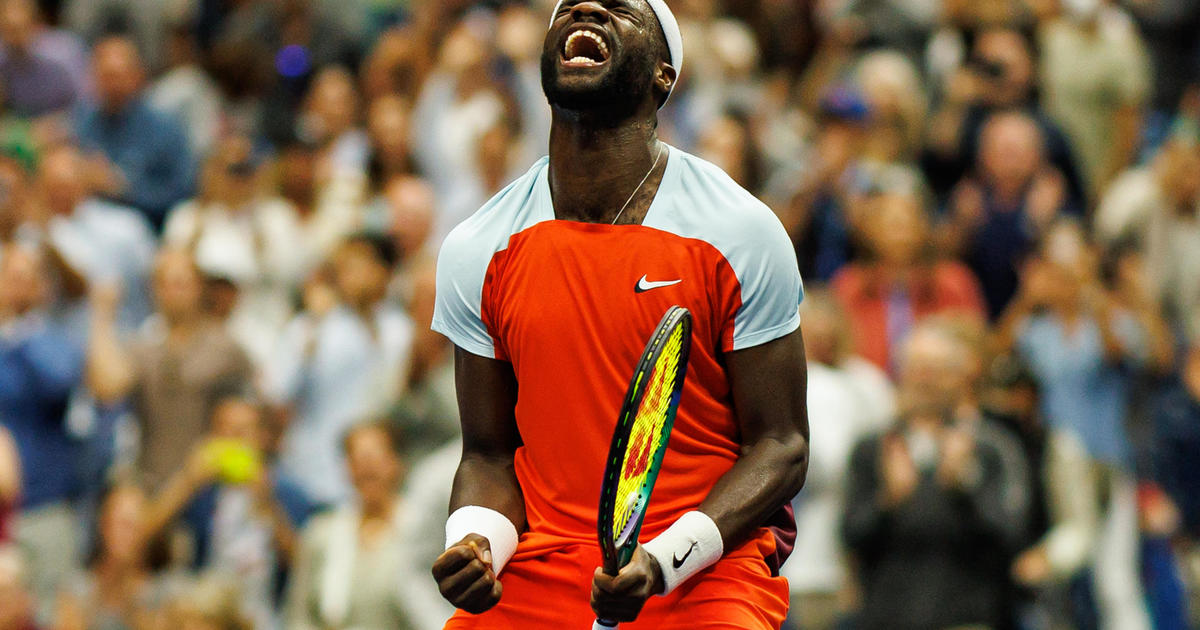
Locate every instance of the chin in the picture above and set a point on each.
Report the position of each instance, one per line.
(607, 92)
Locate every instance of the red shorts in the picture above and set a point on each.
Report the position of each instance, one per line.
(553, 590)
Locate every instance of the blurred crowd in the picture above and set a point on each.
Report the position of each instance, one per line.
(221, 407)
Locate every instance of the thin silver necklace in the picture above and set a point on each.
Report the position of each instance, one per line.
(639, 186)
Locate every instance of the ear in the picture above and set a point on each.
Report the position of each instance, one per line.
(664, 78)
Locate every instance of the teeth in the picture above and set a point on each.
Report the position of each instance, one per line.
(600, 43)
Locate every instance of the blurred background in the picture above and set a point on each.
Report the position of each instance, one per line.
(221, 406)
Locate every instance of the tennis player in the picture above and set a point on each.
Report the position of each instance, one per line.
(550, 292)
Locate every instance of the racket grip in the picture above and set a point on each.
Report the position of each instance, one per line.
(602, 624)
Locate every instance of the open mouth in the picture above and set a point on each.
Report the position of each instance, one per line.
(585, 48)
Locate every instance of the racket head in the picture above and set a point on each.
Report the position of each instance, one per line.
(640, 438)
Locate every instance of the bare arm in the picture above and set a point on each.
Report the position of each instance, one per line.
(110, 371)
(770, 384)
(487, 399)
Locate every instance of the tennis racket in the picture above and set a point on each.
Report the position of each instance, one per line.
(640, 440)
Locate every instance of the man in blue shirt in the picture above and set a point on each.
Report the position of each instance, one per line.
(39, 367)
(142, 155)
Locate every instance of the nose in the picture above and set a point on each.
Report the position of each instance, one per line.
(589, 12)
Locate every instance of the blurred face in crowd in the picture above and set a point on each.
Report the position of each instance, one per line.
(1010, 151)
(178, 287)
(839, 143)
(233, 171)
(239, 420)
(388, 123)
(601, 57)
(375, 467)
(1005, 65)
(1068, 263)
(411, 202)
(117, 67)
(933, 372)
(23, 283)
(1179, 172)
(18, 19)
(360, 275)
(899, 230)
(825, 331)
(60, 173)
(16, 603)
(122, 517)
(727, 143)
(333, 103)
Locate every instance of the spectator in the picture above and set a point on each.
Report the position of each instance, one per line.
(729, 143)
(996, 216)
(344, 358)
(39, 368)
(328, 206)
(34, 84)
(16, 601)
(892, 88)
(252, 240)
(100, 242)
(116, 592)
(10, 484)
(352, 560)
(1095, 78)
(388, 122)
(1157, 207)
(406, 213)
(902, 282)
(186, 92)
(57, 44)
(331, 121)
(180, 365)
(1000, 74)
(841, 415)
(1080, 344)
(821, 214)
(928, 514)
(242, 514)
(143, 158)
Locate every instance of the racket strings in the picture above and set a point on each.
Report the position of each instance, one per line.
(645, 439)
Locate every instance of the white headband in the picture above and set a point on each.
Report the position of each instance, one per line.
(670, 28)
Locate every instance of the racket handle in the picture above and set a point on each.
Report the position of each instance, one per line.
(602, 624)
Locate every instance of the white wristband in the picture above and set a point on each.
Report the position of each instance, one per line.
(692, 544)
(495, 527)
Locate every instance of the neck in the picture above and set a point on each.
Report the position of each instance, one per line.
(594, 168)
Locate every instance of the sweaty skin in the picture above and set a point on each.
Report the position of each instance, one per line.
(602, 144)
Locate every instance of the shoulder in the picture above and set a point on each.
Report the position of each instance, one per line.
(703, 202)
(708, 196)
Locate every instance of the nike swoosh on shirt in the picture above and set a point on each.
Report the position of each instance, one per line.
(677, 562)
(644, 285)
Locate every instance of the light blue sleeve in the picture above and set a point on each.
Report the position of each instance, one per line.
(458, 308)
(766, 268)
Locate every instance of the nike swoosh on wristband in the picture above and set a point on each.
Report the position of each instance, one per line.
(677, 562)
(644, 285)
